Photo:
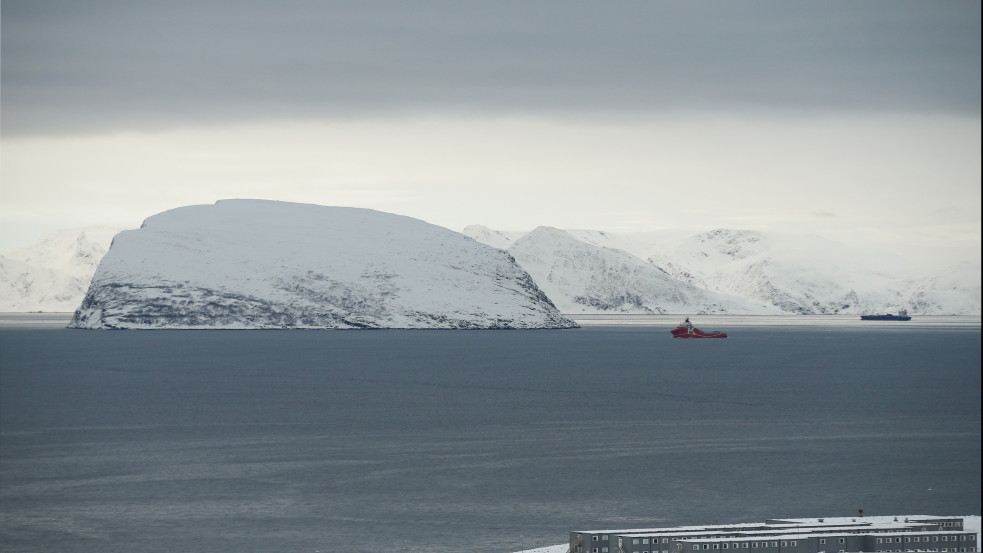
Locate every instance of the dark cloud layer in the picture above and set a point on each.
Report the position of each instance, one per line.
(83, 66)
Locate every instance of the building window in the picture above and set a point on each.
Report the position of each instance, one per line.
(880, 540)
(842, 540)
(784, 543)
(754, 544)
(822, 540)
(794, 544)
(594, 538)
(744, 545)
(594, 550)
(696, 546)
(907, 540)
(774, 544)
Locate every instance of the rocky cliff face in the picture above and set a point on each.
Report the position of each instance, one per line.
(263, 264)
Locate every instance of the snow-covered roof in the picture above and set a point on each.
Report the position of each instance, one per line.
(782, 526)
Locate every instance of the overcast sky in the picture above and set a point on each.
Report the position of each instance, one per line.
(859, 121)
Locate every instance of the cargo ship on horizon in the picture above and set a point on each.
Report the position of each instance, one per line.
(901, 316)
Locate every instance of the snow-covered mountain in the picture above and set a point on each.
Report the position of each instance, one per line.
(721, 271)
(585, 278)
(811, 275)
(53, 273)
(500, 239)
(265, 264)
(736, 271)
(956, 289)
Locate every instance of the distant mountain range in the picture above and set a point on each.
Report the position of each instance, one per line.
(729, 271)
(53, 273)
(589, 271)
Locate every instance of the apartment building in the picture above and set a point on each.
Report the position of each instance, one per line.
(877, 534)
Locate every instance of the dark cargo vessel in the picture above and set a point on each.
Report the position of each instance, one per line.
(901, 316)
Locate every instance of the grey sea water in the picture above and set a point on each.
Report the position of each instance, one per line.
(473, 441)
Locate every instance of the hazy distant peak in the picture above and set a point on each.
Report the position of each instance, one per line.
(550, 233)
(736, 244)
(494, 238)
(53, 273)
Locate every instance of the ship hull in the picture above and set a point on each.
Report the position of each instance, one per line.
(684, 332)
(884, 318)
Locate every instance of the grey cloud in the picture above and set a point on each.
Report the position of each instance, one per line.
(96, 65)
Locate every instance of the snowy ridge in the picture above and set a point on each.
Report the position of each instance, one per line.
(495, 238)
(721, 271)
(53, 273)
(585, 278)
(265, 264)
(734, 271)
(812, 276)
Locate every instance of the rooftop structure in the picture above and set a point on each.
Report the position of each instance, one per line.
(912, 533)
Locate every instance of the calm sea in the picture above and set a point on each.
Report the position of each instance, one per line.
(474, 441)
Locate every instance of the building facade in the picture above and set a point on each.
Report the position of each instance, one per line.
(815, 535)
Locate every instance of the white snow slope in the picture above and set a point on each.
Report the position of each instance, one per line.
(733, 271)
(736, 271)
(266, 264)
(584, 278)
(53, 273)
(812, 276)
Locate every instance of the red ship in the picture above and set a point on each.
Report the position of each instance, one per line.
(687, 330)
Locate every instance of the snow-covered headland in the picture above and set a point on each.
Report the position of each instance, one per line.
(266, 264)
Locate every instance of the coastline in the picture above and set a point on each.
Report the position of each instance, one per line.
(61, 320)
